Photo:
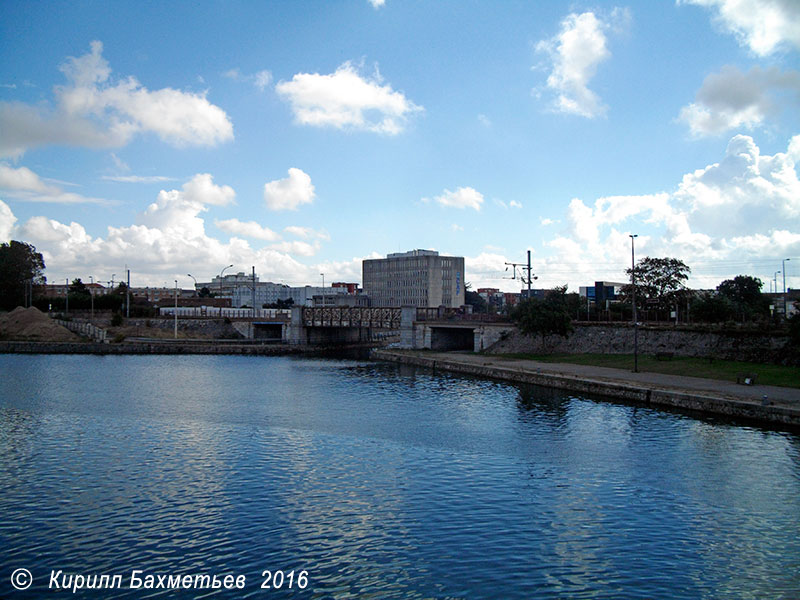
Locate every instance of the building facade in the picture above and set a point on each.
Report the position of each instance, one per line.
(415, 278)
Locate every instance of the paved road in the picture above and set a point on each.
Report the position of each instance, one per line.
(778, 396)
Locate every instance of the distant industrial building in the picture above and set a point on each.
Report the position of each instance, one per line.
(415, 278)
(602, 293)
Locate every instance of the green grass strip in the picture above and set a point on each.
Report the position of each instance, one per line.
(723, 370)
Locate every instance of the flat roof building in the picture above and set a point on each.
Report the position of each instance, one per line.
(415, 278)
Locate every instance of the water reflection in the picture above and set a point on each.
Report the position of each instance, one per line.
(384, 481)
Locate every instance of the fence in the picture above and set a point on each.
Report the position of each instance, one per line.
(85, 329)
(220, 312)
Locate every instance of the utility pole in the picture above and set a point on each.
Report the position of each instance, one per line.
(784, 286)
(66, 311)
(128, 297)
(523, 267)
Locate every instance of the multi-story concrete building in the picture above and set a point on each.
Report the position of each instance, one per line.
(415, 278)
(266, 292)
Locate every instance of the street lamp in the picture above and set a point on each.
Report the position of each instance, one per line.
(784, 285)
(176, 309)
(91, 293)
(635, 324)
(775, 280)
(195, 283)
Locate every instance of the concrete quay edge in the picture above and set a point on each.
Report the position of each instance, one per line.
(636, 392)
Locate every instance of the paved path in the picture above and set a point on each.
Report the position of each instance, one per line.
(777, 396)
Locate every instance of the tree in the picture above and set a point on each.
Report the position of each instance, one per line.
(744, 292)
(659, 283)
(544, 316)
(712, 308)
(21, 268)
(474, 299)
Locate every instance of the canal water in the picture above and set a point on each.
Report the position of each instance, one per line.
(349, 479)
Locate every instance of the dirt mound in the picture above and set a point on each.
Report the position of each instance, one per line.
(32, 324)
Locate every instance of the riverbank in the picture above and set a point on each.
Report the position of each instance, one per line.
(175, 347)
(764, 404)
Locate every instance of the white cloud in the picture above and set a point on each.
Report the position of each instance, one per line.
(23, 184)
(7, 220)
(347, 100)
(575, 53)
(456, 227)
(168, 240)
(306, 232)
(93, 111)
(249, 229)
(261, 80)
(138, 178)
(515, 204)
(377, 3)
(547, 222)
(762, 25)
(463, 197)
(741, 209)
(289, 193)
(297, 247)
(731, 99)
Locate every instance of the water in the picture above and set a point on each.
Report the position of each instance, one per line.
(379, 481)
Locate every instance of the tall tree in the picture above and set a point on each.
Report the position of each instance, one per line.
(544, 316)
(21, 268)
(660, 282)
(744, 292)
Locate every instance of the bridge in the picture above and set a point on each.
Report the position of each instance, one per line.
(408, 327)
(436, 328)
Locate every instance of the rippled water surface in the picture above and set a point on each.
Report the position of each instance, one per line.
(380, 482)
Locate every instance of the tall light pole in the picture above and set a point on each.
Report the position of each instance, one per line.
(775, 280)
(176, 309)
(66, 295)
(635, 323)
(220, 276)
(783, 264)
(91, 293)
(195, 283)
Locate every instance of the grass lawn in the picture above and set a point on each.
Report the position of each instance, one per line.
(725, 370)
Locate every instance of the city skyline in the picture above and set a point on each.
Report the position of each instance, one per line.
(302, 138)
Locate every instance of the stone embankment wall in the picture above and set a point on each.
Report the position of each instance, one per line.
(206, 328)
(618, 339)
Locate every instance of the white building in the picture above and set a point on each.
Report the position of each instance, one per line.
(415, 278)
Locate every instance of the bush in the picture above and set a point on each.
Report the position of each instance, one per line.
(116, 319)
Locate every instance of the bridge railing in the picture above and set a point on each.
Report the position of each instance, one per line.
(219, 312)
(352, 316)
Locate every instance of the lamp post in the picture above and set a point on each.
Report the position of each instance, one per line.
(775, 280)
(635, 323)
(195, 283)
(66, 295)
(783, 264)
(176, 309)
(323, 288)
(91, 293)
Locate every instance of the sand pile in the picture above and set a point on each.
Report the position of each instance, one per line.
(32, 324)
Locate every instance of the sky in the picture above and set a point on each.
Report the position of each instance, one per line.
(299, 138)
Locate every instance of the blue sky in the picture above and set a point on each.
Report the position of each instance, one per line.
(302, 137)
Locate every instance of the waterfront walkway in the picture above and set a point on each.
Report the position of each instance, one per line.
(761, 402)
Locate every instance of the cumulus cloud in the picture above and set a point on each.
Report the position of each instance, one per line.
(249, 229)
(346, 99)
(289, 193)
(732, 99)
(575, 53)
(759, 196)
(463, 197)
(7, 220)
(169, 239)
(92, 110)
(25, 185)
(377, 3)
(306, 232)
(762, 25)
